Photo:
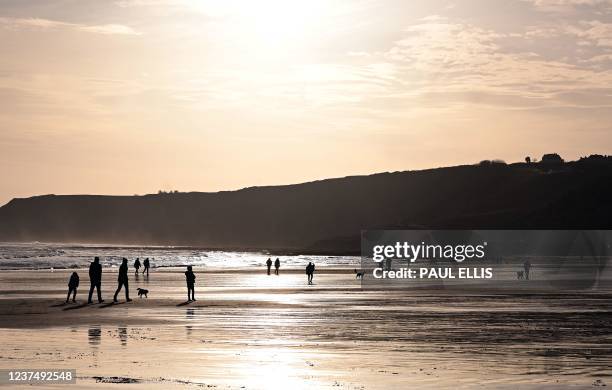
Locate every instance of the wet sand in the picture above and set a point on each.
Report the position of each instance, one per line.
(255, 331)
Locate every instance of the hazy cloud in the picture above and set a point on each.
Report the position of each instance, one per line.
(569, 7)
(38, 23)
(457, 60)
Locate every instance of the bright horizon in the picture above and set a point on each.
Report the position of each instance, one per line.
(134, 96)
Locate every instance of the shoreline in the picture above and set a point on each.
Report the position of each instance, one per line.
(264, 251)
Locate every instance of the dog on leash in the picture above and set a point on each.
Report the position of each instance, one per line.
(141, 292)
(359, 274)
(520, 274)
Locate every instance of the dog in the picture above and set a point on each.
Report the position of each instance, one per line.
(141, 292)
(520, 274)
(359, 274)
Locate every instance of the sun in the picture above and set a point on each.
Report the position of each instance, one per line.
(268, 25)
(277, 22)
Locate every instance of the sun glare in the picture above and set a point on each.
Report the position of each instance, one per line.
(268, 25)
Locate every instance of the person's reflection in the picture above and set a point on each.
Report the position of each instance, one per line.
(123, 335)
(94, 335)
(189, 315)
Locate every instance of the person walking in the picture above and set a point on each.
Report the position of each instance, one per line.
(146, 266)
(527, 267)
(95, 278)
(269, 264)
(310, 271)
(137, 265)
(122, 280)
(276, 265)
(190, 279)
(73, 283)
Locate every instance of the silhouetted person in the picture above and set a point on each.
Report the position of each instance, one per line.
(73, 283)
(312, 271)
(95, 278)
(137, 265)
(122, 280)
(276, 265)
(310, 268)
(146, 266)
(190, 279)
(527, 266)
(269, 264)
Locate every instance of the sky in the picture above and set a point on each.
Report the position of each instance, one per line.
(135, 96)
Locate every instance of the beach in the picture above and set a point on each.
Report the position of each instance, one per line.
(254, 331)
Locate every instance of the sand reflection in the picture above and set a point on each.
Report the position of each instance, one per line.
(94, 335)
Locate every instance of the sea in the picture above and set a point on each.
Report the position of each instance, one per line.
(36, 255)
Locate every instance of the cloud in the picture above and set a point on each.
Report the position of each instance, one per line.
(110, 29)
(585, 32)
(600, 58)
(144, 3)
(436, 63)
(558, 5)
(46, 24)
(570, 6)
(595, 31)
(545, 3)
(446, 60)
(439, 42)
